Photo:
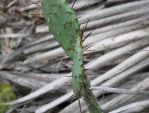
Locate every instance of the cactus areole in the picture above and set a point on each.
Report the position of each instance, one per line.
(63, 24)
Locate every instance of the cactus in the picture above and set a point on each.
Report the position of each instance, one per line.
(6, 95)
(63, 23)
(80, 82)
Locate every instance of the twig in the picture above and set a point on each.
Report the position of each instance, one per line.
(114, 10)
(143, 104)
(120, 99)
(119, 40)
(119, 90)
(17, 36)
(116, 18)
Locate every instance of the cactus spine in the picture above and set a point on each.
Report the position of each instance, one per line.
(63, 23)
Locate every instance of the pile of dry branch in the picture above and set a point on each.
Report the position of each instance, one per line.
(116, 56)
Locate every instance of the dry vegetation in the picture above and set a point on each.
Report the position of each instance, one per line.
(118, 57)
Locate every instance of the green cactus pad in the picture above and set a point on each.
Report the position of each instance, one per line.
(6, 95)
(62, 22)
(80, 82)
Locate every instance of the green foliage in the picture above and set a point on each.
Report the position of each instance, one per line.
(6, 95)
(63, 23)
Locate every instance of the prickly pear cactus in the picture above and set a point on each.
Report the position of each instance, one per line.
(80, 82)
(6, 95)
(65, 27)
(62, 22)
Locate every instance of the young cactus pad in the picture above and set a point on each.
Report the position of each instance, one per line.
(62, 22)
